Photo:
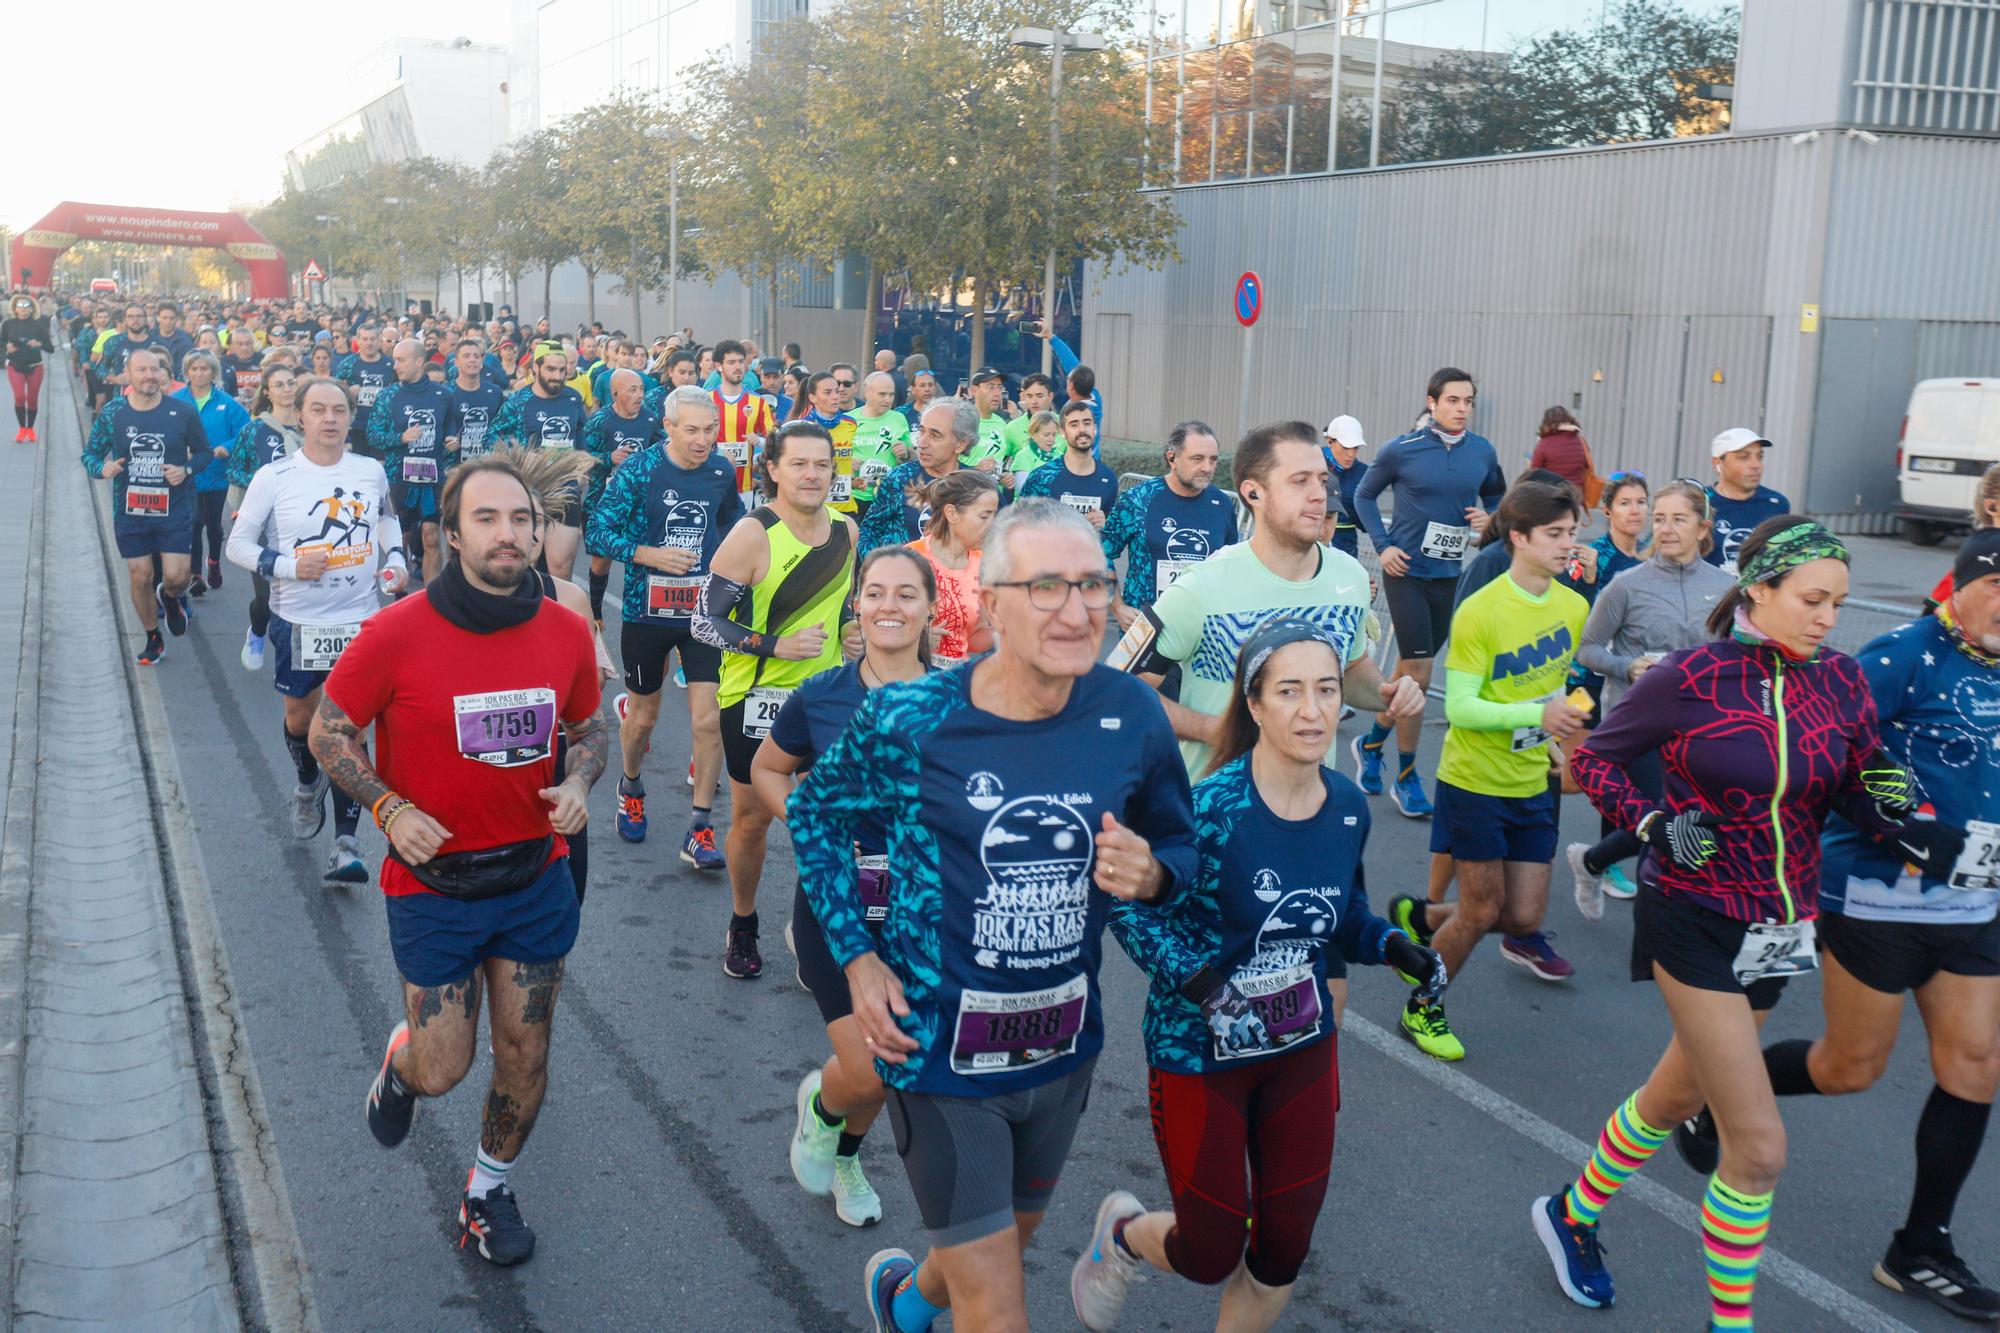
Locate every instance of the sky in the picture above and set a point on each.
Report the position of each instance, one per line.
(221, 91)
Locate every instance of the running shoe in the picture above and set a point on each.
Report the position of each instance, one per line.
(1941, 1279)
(740, 958)
(631, 810)
(175, 611)
(32, 437)
(253, 650)
(690, 770)
(813, 1141)
(1406, 914)
(1104, 1272)
(1430, 1032)
(698, 849)
(1589, 887)
(855, 1201)
(344, 865)
(309, 808)
(884, 1276)
(680, 679)
(1536, 954)
(1408, 794)
(621, 704)
(1619, 885)
(154, 650)
(1575, 1251)
(196, 588)
(1696, 1141)
(1367, 764)
(215, 573)
(495, 1222)
(793, 949)
(391, 1106)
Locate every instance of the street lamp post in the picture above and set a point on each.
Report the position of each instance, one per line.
(1056, 40)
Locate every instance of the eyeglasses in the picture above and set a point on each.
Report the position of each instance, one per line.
(1052, 594)
(844, 384)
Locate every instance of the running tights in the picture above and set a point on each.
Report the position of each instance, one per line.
(208, 511)
(27, 387)
(260, 605)
(1277, 1114)
(346, 810)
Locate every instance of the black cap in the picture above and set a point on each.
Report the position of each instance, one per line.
(985, 373)
(1978, 557)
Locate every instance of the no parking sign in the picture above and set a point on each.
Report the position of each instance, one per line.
(1249, 299)
(1247, 305)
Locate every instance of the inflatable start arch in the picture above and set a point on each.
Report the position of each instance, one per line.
(33, 257)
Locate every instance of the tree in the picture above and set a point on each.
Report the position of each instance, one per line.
(528, 185)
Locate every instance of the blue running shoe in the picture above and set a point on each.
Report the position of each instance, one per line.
(1367, 765)
(698, 849)
(1408, 794)
(1575, 1252)
(884, 1275)
(631, 810)
(680, 678)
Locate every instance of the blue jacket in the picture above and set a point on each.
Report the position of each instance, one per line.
(1067, 360)
(222, 420)
(1435, 484)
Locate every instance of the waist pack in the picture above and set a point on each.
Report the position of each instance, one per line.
(490, 872)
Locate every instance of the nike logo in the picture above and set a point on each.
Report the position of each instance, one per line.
(1915, 852)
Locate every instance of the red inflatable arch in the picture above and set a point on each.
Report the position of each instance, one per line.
(33, 257)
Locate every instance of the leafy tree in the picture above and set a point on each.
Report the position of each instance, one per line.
(617, 158)
(529, 185)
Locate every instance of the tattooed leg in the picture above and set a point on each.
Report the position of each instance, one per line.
(523, 1009)
(444, 1032)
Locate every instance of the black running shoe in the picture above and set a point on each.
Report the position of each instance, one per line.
(740, 958)
(196, 588)
(391, 1106)
(494, 1222)
(1941, 1279)
(175, 611)
(1698, 1145)
(155, 649)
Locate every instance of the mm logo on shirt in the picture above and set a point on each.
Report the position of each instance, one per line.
(1551, 647)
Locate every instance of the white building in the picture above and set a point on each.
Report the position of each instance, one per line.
(415, 98)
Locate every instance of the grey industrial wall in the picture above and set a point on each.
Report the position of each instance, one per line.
(1656, 289)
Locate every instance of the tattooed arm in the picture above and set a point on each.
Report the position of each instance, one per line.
(588, 744)
(335, 740)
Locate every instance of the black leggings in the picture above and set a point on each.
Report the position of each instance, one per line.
(208, 510)
(260, 605)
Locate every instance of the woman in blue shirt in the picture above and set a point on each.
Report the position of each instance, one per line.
(222, 419)
(1245, 966)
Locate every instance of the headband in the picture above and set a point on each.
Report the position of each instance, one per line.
(1798, 545)
(1273, 635)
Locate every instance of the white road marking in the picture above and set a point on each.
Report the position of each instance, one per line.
(1789, 1273)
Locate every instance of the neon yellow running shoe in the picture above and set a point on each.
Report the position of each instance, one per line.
(1428, 1029)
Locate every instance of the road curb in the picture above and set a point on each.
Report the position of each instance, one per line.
(274, 1282)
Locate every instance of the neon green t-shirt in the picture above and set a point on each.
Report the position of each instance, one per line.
(875, 439)
(992, 443)
(1516, 648)
(1022, 455)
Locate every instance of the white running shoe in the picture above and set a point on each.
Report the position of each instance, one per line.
(855, 1201)
(1103, 1272)
(813, 1142)
(253, 650)
(1589, 887)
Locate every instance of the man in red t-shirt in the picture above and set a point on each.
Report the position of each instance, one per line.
(464, 687)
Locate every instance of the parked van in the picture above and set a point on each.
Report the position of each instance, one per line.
(1951, 435)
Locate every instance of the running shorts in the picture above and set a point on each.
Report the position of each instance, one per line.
(737, 749)
(1897, 956)
(973, 1162)
(817, 969)
(1694, 945)
(1275, 1115)
(1420, 611)
(437, 940)
(1469, 826)
(172, 535)
(644, 649)
(287, 679)
(417, 503)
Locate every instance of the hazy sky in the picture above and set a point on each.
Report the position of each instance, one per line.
(188, 106)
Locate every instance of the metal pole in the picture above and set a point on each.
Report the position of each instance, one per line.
(1243, 392)
(674, 243)
(1055, 159)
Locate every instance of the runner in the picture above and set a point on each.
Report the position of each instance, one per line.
(1077, 479)
(1044, 445)
(27, 340)
(1006, 792)
(368, 373)
(321, 591)
(947, 430)
(547, 414)
(615, 432)
(1738, 497)
(962, 507)
(222, 419)
(1644, 614)
(242, 368)
(1985, 514)
(881, 439)
(1344, 446)
(824, 396)
(744, 416)
(838, 1102)
(772, 603)
(171, 338)
(1242, 1063)
(988, 392)
(1762, 732)
(664, 513)
(151, 448)
(1167, 525)
(1024, 453)
(1201, 622)
(1445, 480)
(464, 687)
(1505, 679)
(923, 392)
(475, 404)
(409, 431)
(273, 433)
(115, 350)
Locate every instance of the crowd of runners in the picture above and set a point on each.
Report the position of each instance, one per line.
(1002, 698)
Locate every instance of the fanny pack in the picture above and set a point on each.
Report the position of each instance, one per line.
(490, 872)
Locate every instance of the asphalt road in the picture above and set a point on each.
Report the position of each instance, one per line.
(657, 1179)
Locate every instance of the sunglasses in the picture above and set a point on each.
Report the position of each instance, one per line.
(1707, 503)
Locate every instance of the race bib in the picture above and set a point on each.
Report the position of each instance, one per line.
(1531, 738)
(1775, 951)
(998, 1032)
(1978, 866)
(1288, 1002)
(672, 596)
(147, 501)
(420, 471)
(945, 661)
(843, 490)
(506, 728)
(1445, 541)
(871, 473)
(760, 709)
(736, 451)
(318, 647)
(472, 440)
(366, 394)
(1083, 504)
(1166, 572)
(874, 878)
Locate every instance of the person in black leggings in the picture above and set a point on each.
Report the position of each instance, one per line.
(25, 338)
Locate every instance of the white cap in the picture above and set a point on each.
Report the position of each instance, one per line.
(1736, 437)
(1346, 431)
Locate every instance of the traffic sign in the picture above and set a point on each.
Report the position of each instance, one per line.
(314, 273)
(1249, 299)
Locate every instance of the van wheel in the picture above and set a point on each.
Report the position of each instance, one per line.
(1923, 534)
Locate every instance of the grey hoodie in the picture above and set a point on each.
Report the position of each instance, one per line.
(1650, 610)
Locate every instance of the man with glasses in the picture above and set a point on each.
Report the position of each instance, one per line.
(1020, 797)
(989, 450)
(844, 378)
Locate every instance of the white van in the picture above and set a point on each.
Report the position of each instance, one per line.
(1951, 435)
